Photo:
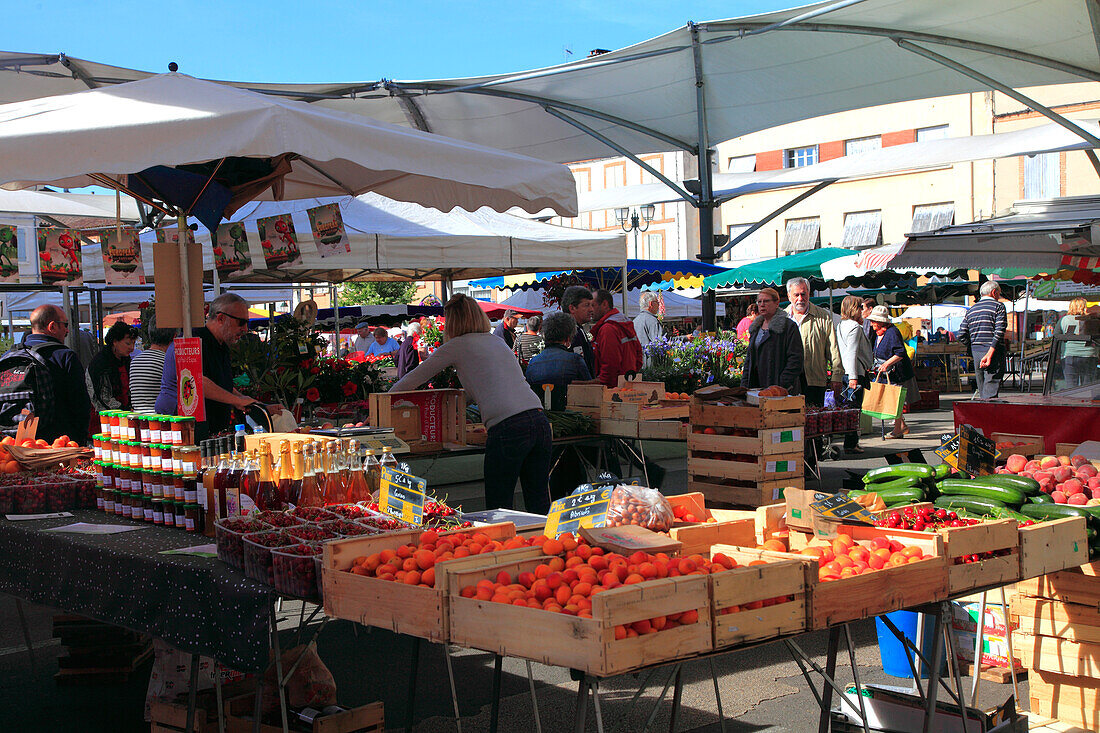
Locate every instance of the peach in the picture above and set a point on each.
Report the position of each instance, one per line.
(1088, 470)
(1072, 486)
(1064, 460)
(1077, 461)
(1015, 463)
(1094, 482)
(1095, 493)
(1077, 499)
(1062, 473)
(1059, 497)
(1049, 462)
(1094, 501)
(1032, 465)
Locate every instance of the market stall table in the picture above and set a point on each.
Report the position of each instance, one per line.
(1058, 420)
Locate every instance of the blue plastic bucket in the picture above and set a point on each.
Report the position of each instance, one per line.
(893, 652)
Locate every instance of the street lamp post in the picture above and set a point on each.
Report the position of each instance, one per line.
(633, 221)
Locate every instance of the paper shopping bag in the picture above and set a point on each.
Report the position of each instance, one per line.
(884, 400)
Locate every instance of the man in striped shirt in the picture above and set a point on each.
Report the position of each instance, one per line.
(147, 368)
(983, 330)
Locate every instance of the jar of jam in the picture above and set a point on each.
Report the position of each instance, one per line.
(155, 422)
(135, 481)
(146, 456)
(187, 430)
(125, 502)
(147, 510)
(108, 501)
(175, 426)
(113, 424)
(166, 463)
(124, 425)
(110, 472)
(188, 458)
(143, 428)
(123, 483)
(178, 487)
(180, 515)
(158, 511)
(190, 490)
(147, 484)
(192, 518)
(156, 484)
(124, 453)
(105, 421)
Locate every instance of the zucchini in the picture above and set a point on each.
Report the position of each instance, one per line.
(942, 471)
(901, 483)
(1056, 511)
(970, 487)
(1010, 514)
(1090, 535)
(902, 470)
(1041, 499)
(1027, 485)
(977, 505)
(904, 496)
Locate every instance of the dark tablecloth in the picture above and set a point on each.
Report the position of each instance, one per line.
(198, 605)
(1056, 422)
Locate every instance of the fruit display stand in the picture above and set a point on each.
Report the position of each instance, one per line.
(1057, 637)
(758, 601)
(585, 644)
(404, 609)
(961, 544)
(1047, 547)
(746, 454)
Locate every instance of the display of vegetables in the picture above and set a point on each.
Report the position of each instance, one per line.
(567, 422)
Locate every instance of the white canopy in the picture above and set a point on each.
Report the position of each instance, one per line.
(875, 259)
(751, 73)
(1040, 236)
(55, 203)
(393, 240)
(129, 299)
(174, 119)
(676, 306)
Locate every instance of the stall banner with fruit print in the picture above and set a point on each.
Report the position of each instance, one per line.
(231, 255)
(122, 257)
(189, 394)
(172, 234)
(279, 241)
(9, 253)
(328, 230)
(59, 256)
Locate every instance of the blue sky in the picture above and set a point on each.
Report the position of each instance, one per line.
(332, 40)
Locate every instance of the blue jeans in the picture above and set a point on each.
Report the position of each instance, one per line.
(519, 448)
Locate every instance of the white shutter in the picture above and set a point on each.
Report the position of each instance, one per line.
(802, 234)
(930, 217)
(1042, 176)
(862, 229)
(862, 145)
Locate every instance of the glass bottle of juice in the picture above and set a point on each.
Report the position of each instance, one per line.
(233, 484)
(311, 490)
(249, 480)
(372, 472)
(333, 491)
(286, 473)
(221, 481)
(358, 490)
(387, 459)
(267, 492)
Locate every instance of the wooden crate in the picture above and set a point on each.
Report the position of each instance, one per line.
(403, 609)
(750, 468)
(769, 521)
(622, 428)
(988, 536)
(743, 493)
(586, 644)
(171, 717)
(1079, 585)
(699, 537)
(1074, 700)
(662, 430)
(751, 584)
(875, 593)
(1032, 444)
(442, 412)
(762, 442)
(1048, 547)
(637, 411)
(585, 395)
(774, 412)
(1051, 654)
(1044, 617)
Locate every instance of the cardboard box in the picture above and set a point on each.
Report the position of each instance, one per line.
(166, 263)
(442, 414)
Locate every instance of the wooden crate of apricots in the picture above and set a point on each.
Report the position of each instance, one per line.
(398, 581)
(600, 612)
(867, 571)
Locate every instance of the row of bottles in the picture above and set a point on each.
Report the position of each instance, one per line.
(307, 473)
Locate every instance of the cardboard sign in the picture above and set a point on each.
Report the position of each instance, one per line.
(59, 256)
(231, 255)
(9, 253)
(279, 241)
(629, 539)
(166, 267)
(122, 257)
(190, 401)
(842, 508)
(584, 509)
(949, 450)
(328, 230)
(977, 453)
(402, 495)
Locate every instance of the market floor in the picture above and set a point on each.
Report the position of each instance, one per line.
(762, 688)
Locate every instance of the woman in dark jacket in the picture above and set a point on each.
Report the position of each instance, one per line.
(109, 371)
(892, 361)
(775, 347)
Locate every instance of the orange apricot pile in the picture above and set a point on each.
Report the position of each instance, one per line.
(843, 557)
(683, 514)
(415, 564)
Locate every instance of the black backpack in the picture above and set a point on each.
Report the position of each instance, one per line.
(27, 382)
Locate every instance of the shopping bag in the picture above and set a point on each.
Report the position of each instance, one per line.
(884, 400)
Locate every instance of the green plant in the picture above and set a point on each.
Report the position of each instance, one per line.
(375, 293)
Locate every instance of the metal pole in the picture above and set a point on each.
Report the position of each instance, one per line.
(626, 261)
(185, 274)
(706, 189)
(1023, 332)
(217, 282)
(67, 306)
(333, 295)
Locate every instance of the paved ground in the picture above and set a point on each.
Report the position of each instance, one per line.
(760, 687)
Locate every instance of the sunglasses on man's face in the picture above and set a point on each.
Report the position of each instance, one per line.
(242, 322)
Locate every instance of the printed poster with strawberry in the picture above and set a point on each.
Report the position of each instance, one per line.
(122, 257)
(231, 255)
(59, 256)
(9, 254)
(328, 230)
(172, 234)
(189, 397)
(279, 241)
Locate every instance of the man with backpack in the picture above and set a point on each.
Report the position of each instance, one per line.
(45, 376)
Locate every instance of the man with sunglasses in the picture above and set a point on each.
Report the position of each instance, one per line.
(226, 323)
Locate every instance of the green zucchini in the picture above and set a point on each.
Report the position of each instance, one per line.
(901, 483)
(942, 471)
(970, 487)
(906, 496)
(1041, 499)
(1056, 511)
(977, 505)
(1010, 514)
(1027, 485)
(901, 470)
(1090, 535)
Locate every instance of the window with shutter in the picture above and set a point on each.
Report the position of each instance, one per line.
(1042, 176)
(802, 234)
(862, 229)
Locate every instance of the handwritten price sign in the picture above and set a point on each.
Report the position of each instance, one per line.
(402, 495)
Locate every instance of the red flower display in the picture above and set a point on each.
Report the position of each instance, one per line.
(349, 389)
(313, 395)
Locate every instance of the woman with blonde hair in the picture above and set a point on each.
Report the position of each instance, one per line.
(855, 355)
(518, 442)
(1079, 358)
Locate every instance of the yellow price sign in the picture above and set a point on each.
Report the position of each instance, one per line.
(402, 495)
(583, 509)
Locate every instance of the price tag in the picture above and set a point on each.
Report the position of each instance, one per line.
(842, 508)
(949, 450)
(402, 495)
(584, 509)
(977, 453)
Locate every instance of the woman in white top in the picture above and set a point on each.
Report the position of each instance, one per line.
(1079, 359)
(518, 442)
(855, 355)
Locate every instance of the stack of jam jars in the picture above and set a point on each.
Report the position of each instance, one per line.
(146, 468)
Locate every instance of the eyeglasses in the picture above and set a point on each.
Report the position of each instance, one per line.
(242, 322)
(765, 301)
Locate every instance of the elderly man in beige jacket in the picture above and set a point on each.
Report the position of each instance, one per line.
(822, 367)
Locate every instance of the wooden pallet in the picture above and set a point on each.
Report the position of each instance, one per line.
(743, 493)
(989, 673)
(403, 609)
(747, 588)
(586, 644)
(636, 411)
(1061, 656)
(775, 412)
